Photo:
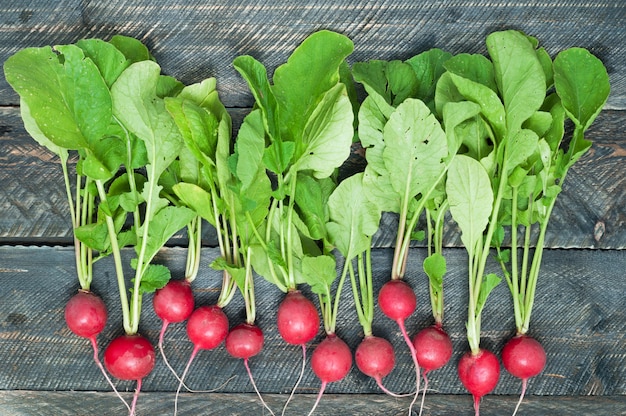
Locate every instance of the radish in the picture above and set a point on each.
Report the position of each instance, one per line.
(172, 303)
(207, 327)
(86, 316)
(479, 372)
(472, 205)
(297, 319)
(130, 357)
(245, 341)
(397, 301)
(523, 357)
(575, 76)
(298, 323)
(331, 361)
(289, 244)
(375, 357)
(433, 348)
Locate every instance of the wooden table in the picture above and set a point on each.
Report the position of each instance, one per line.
(580, 312)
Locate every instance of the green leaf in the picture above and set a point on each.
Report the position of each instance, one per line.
(428, 67)
(30, 124)
(197, 199)
(373, 115)
(435, 268)
(255, 74)
(540, 123)
(353, 218)
(470, 197)
(165, 223)
(278, 155)
(66, 95)
(519, 76)
(237, 273)
(249, 148)
(95, 235)
(446, 92)
(582, 82)
(373, 77)
(132, 48)
(319, 272)
(311, 203)
(489, 102)
(402, 81)
(310, 71)
(489, 283)
(155, 277)
(454, 114)
(109, 60)
(327, 136)
(136, 104)
(415, 145)
(198, 128)
(521, 147)
(475, 68)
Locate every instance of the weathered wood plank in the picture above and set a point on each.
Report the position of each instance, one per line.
(194, 40)
(37, 403)
(579, 316)
(590, 213)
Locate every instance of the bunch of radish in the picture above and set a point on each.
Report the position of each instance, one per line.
(512, 168)
(479, 138)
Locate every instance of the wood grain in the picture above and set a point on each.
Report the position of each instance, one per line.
(590, 212)
(37, 403)
(579, 316)
(193, 40)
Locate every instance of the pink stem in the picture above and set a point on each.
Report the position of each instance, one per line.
(424, 394)
(387, 391)
(193, 354)
(477, 405)
(135, 397)
(521, 397)
(245, 363)
(414, 356)
(319, 397)
(299, 379)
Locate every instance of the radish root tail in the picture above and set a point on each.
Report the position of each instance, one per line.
(319, 397)
(521, 397)
(297, 382)
(245, 363)
(409, 343)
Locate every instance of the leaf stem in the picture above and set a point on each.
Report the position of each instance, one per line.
(117, 258)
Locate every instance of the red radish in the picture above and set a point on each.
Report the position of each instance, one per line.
(298, 323)
(375, 358)
(86, 316)
(433, 349)
(523, 357)
(172, 303)
(298, 319)
(479, 373)
(331, 361)
(397, 301)
(245, 341)
(130, 357)
(207, 327)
